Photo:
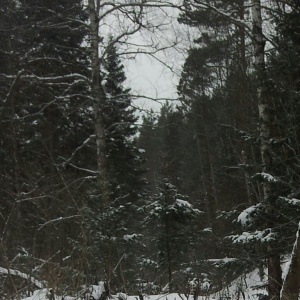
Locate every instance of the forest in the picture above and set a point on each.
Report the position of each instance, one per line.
(95, 188)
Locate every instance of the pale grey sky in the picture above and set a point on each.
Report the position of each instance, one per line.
(153, 78)
(158, 77)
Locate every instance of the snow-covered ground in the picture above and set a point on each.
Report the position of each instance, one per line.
(246, 287)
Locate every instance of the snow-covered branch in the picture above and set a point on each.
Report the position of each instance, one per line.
(18, 273)
(44, 78)
(227, 15)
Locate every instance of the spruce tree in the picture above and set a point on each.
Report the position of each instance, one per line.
(149, 141)
(273, 222)
(49, 118)
(120, 120)
(118, 223)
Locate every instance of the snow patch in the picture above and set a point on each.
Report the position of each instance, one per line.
(183, 203)
(263, 236)
(41, 294)
(130, 237)
(268, 177)
(292, 201)
(97, 290)
(245, 217)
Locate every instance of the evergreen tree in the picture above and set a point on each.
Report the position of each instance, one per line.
(273, 222)
(282, 69)
(170, 128)
(217, 148)
(169, 140)
(118, 224)
(121, 127)
(174, 235)
(149, 141)
(9, 158)
(50, 120)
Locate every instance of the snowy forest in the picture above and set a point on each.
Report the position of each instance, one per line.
(185, 199)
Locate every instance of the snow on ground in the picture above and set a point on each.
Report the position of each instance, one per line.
(246, 287)
(42, 294)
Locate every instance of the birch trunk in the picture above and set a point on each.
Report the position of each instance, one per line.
(291, 285)
(99, 99)
(265, 124)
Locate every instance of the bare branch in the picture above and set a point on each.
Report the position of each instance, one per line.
(57, 220)
(79, 148)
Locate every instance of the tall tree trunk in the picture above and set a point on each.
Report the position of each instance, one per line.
(291, 284)
(242, 41)
(265, 125)
(99, 99)
(168, 249)
(209, 205)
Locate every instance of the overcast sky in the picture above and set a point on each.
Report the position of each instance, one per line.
(158, 78)
(147, 76)
(155, 77)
